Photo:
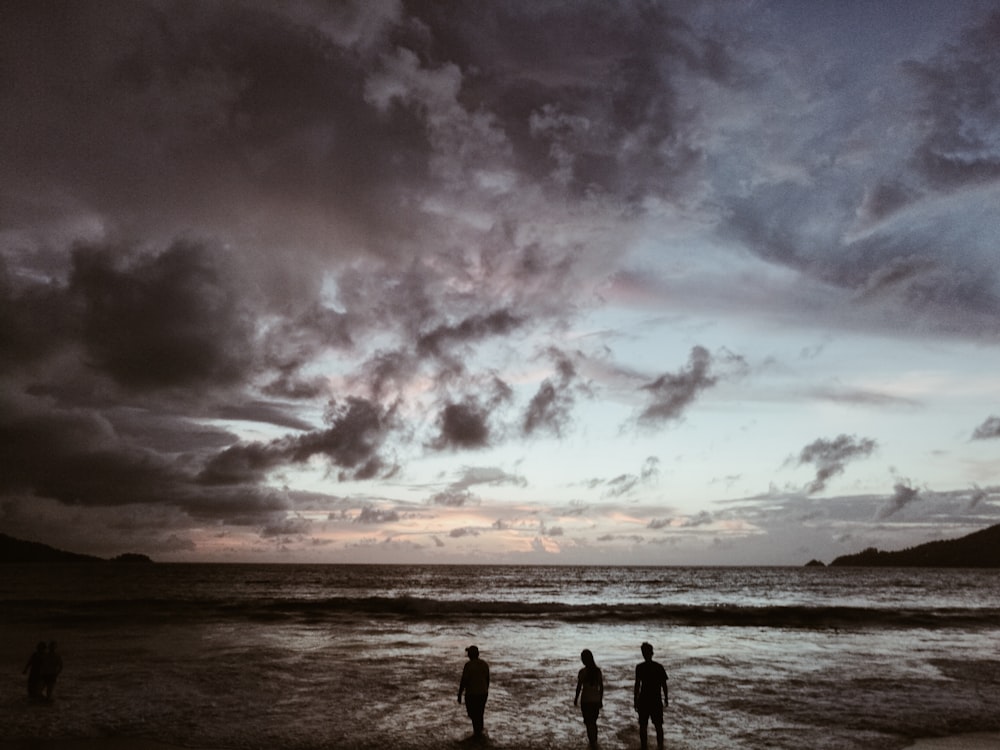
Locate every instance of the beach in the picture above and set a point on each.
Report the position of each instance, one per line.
(318, 657)
(972, 741)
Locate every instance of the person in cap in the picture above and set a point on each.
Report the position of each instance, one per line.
(475, 684)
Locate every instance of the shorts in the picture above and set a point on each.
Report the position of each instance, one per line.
(651, 712)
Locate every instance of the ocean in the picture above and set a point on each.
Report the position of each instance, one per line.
(302, 657)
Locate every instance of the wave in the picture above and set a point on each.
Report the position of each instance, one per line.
(429, 609)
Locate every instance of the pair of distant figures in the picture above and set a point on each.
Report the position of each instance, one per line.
(650, 682)
(43, 667)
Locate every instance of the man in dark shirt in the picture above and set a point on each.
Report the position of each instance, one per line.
(476, 686)
(650, 679)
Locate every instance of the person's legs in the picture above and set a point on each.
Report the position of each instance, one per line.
(657, 717)
(475, 706)
(590, 713)
(643, 726)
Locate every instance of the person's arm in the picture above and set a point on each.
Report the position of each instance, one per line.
(600, 687)
(663, 685)
(638, 684)
(461, 686)
(579, 687)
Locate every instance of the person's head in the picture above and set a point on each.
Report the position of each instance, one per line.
(473, 652)
(587, 658)
(647, 651)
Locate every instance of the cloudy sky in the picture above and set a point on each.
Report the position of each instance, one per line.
(563, 282)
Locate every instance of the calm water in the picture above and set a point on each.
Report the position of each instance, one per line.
(308, 657)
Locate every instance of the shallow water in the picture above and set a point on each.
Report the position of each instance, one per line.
(305, 657)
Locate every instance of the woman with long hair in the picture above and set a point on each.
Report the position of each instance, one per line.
(589, 694)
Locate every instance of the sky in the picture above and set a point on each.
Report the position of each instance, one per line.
(671, 283)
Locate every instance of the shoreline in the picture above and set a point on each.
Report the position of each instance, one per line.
(967, 741)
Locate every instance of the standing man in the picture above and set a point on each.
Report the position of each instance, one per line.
(476, 686)
(52, 665)
(650, 678)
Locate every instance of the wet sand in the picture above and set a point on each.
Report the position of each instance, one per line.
(106, 743)
(977, 741)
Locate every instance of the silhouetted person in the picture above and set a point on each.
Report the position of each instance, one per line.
(650, 679)
(34, 671)
(52, 665)
(590, 693)
(475, 684)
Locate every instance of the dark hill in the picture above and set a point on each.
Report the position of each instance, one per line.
(19, 551)
(980, 549)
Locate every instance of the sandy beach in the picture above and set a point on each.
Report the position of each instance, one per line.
(106, 743)
(975, 741)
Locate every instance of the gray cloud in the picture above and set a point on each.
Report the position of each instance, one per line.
(903, 494)
(960, 107)
(241, 212)
(372, 515)
(670, 394)
(497, 323)
(550, 407)
(831, 457)
(988, 430)
(352, 442)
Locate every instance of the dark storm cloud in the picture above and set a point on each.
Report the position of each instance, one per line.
(961, 106)
(37, 318)
(475, 328)
(76, 457)
(830, 457)
(671, 393)
(161, 321)
(466, 424)
(82, 458)
(129, 105)
(584, 92)
(893, 235)
(351, 442)
(463, 425)
(294, 342)
(988, 430)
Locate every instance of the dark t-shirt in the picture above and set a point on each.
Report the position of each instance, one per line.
(649, 677)
(476, 677)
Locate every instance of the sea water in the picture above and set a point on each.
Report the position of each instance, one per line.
(290, 657)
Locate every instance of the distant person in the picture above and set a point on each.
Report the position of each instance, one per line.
(475, 684)
(650, 679)
(590, 694)
(34, 671)
(52, 665)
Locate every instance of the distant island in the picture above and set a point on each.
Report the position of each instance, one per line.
(980, 549)
(20, 551)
